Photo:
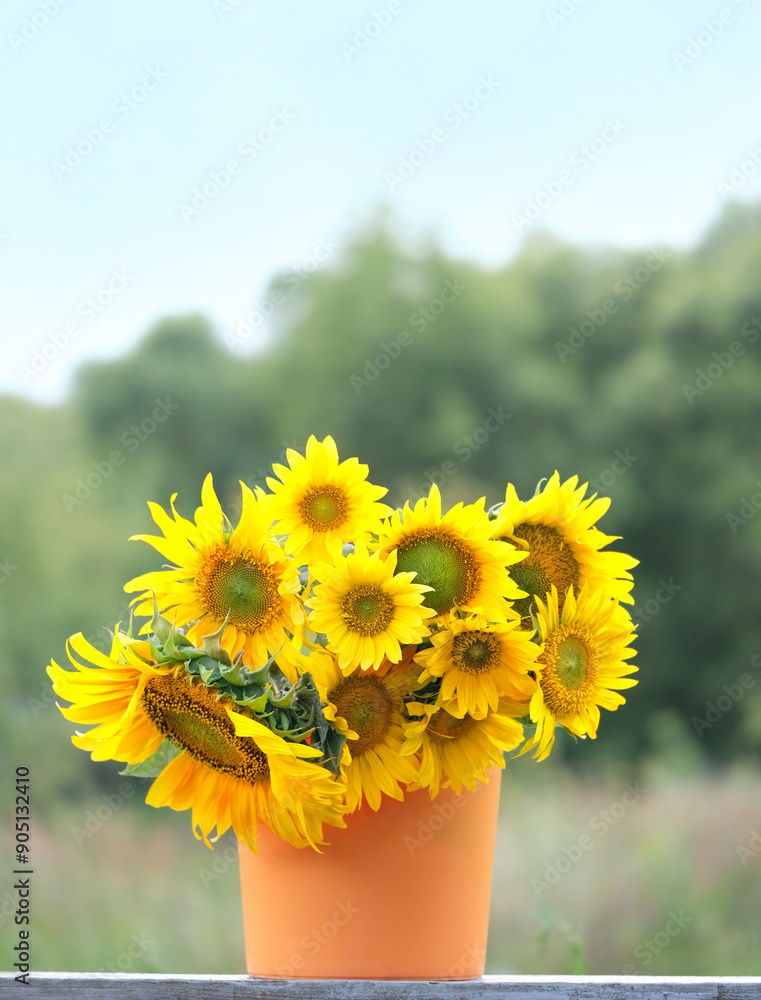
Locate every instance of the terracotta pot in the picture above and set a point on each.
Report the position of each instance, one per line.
(399, 894)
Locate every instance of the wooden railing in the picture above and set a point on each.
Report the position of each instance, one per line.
(94, 986)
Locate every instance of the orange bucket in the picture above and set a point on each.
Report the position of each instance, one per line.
(399, 894)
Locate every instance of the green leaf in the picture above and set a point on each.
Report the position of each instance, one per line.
(160, 626)
(212, 644)
(155, 764)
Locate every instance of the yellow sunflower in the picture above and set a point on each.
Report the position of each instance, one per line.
(366, 706)
(479, 662)
(556, 527)
(366, 610)
(230, 769)
(454, 555)
(320, 504)
(582, 665)
(459, 751)
(242, 576)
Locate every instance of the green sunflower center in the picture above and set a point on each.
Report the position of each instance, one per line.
(572, 663)
(443, 727)
(245, 589)
(476, 652)
(367, 707)
(367, 610)
(443, 562)
(550, 562)
(191, 717)
(570, 670)
(324, 508)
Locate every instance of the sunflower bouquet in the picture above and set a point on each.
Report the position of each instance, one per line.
(327, 651)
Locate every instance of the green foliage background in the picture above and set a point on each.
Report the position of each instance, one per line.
(414, 411)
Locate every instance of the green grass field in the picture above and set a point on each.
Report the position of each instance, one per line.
(590, 876)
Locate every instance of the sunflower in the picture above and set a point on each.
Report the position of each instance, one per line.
(454, 555)
(229, 769)
(366, 610)
(459, 751)
(582, 665)
(240, 578)
(480, 662)
(366, 706)
(556, 527)
(320, 504)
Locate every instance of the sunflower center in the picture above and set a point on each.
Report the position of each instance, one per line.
(443, 562)
(366, 705)
(570, 669)
(475, 652)
(191, 717)
(243, 587)
(324, 508)
(550, 562)
(572, 663)
(444, 727)
(367, 610)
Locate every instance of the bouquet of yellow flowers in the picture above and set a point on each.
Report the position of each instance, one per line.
(327, 651)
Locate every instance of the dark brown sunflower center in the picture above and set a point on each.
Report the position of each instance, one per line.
(442, 561)
(367, 610)
(324, 508)
(444, 728)
(366, 705)
(190, 716)
(550, 562)
(475, 652)
(244, 588)
(570, 669)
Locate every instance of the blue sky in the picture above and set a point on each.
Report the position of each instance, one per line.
(611, 122)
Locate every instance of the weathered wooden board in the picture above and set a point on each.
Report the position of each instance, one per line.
(96, 986)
